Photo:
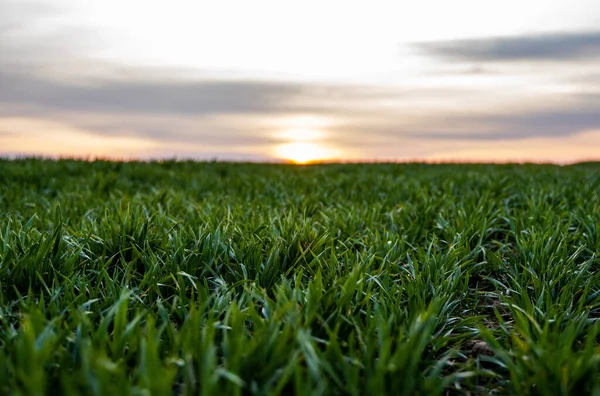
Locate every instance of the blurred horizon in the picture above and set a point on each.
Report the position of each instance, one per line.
(284, 161)
(301, 82)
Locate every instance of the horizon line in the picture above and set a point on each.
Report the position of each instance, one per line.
(174, 159)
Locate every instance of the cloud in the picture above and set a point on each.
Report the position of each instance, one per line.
(191, 97)
(565, 150)
(229, 114)
(17, 14)
(48, 79)
(550, 122)
(539, 47)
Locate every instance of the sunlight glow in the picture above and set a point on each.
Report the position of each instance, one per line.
(301, 135)
(56, 139)
(304, 152)
(302, 144)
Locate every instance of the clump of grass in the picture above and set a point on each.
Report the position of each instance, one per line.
(207, 278)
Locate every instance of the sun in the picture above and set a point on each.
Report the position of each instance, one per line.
(304, 152)
(304, 142)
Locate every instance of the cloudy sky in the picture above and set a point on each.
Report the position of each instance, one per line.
(461, 80)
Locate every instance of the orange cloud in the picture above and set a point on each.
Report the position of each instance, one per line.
(566, 149)
(40, 137)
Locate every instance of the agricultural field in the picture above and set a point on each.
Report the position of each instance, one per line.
(191, 278)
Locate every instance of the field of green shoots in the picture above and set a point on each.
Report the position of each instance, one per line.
(182, 278)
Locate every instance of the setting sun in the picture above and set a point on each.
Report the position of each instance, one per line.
(304, 152)
(303, 145)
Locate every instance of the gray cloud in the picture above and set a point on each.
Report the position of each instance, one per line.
(549, 123)
(222, 113)
(192, 97)
(543, 47)
(560, 118)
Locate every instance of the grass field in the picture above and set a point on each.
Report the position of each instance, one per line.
(228, 279)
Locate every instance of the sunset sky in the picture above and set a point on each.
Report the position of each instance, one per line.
(461, 80)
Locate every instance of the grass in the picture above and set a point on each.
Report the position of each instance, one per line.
(210, 278)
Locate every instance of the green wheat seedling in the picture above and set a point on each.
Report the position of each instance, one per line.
(190, 278)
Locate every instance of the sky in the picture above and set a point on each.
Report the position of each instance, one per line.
(301, 81)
